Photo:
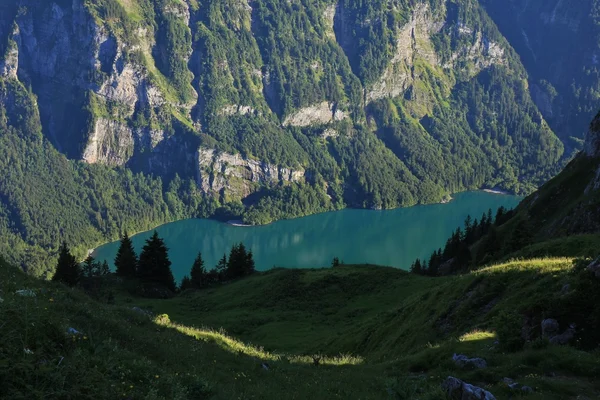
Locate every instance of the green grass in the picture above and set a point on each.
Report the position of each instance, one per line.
(378, 333)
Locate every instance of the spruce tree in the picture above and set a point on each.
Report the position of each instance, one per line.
(104, 269)
(126, 259)
(67, 268)
(90, 267)
(198, 273)
(220, 270)
(250, 267)
(154, 265)
(235, 264)
(521, 236)
(416, 268)
(186, 283)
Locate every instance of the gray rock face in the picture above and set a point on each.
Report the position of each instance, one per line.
(415, 42)
(236, 175)
(10, 65)
(459, 390)
(322, 113)
(465, 362)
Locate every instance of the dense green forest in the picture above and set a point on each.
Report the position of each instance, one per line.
(373, 104)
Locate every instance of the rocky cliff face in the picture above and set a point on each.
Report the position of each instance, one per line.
(143, 84)
(234, 175)
(323, 113)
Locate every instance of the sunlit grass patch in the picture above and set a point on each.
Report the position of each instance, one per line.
(235, 346)
(342, 359)
(476, 335)
(539, 265)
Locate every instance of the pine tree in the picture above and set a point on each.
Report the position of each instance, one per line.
(237, 259)
(104, 269)
(90, 267)
(250, 267)
(67, 268)
(416, 268)
(335, 262)
(221, 269)
(186, 283)
(521, 236)
(198, 273)
(154, 265)
(489, 246)
(126, 259)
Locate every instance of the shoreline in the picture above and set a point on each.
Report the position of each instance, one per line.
(495, 191)
(237, 222)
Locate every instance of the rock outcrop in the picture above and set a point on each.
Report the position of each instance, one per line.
(9, 62)
(414, 40)
(459, 390)
(236, 176)
(323, 113)
(463, 361)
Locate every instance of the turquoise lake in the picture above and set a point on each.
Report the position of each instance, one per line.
(390, 237)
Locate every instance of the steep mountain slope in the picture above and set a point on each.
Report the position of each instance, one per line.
(561, 218)
(398, 333)
(291, 107)
(558, 44)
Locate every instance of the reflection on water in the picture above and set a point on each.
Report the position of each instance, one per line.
(391, 237)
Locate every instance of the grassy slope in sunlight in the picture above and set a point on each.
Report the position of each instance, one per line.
(397, 333)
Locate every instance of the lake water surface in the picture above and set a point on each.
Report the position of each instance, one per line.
(390, 237)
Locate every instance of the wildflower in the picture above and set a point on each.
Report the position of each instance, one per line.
(157, 376)
(51, 300)
(85, 338)
(130, 386)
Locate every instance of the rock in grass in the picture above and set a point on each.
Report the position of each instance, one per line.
(550, 327)
(594, 267)
(465, 362)
(527, 389)
(565, 337)
(141, 311)
(25, 293)
(459, 390)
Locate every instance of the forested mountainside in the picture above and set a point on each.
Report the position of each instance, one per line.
(165, 109)
(557, 41)
(561, 218)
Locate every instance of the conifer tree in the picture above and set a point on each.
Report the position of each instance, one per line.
(186, 283)
(67, 268)
(250, 267)
(198, 273)
(126, 259)
(521, 236)
(104, 269)
(235, 264)
(221, 268)
(154, 265)
(416, 268)
(90, 267)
